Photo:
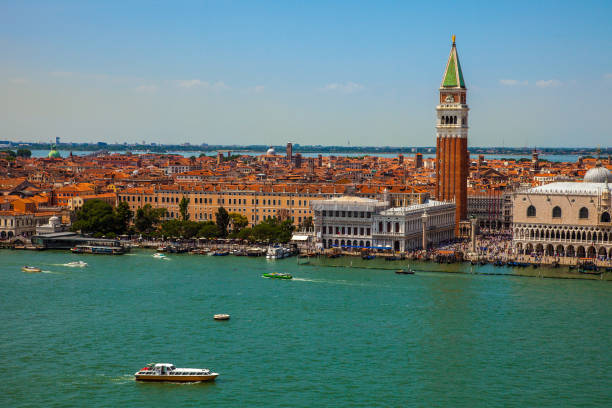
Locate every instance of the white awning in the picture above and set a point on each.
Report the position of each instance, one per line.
(299, 238)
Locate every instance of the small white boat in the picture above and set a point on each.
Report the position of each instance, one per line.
(221, 316)
(168, 372)
(30, 269)
(76, 264)
(159, 256)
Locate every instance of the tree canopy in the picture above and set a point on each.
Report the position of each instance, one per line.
(99, 218)
(147, 219)
(222, 217)
(184, 208)
(21, 152)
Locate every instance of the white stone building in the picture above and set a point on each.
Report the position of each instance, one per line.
(345, 221)
(565, 219)
(402, 228)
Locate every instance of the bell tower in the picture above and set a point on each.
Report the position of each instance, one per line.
(451, 138)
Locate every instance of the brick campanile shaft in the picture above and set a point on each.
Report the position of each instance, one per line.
(451, 138)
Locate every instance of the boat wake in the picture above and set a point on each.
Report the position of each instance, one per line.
(340, 282)
(78, 264)
(51, 272)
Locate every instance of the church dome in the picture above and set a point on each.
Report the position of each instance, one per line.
(54, 154)
(271, 151)
(598, 174)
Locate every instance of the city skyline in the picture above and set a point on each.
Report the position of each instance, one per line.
(311, 74)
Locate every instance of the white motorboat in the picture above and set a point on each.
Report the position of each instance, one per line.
(159, 256)
(168, 372)
(277, 253)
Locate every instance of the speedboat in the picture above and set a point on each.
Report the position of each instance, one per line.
(221, 316)
(277, 275)
(168, 372)
(159, 256)
(76, 264)
(30, 269)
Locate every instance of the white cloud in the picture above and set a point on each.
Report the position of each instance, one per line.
(149, 89)
(18, 81)
(191, 83)
(549, 83)
(220, 85)
(197, 83)
(347, 87)
(512, 82)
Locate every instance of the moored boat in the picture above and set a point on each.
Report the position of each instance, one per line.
(30, 269)
(277, 275)
(170, 373)
(98, 250)
(405, 271)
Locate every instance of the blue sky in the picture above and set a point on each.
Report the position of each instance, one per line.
(311, 72)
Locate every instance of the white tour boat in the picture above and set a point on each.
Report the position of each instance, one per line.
(168, 372)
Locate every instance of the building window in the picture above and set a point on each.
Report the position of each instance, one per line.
(556, 213)
(583, 213)
(605, 217)
(531, 211)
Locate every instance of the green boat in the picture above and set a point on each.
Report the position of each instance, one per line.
(276, 275)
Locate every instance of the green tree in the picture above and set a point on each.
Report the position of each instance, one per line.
(285, 231)
(171, 228)
(183, 208)
(222, 217)
(245, 233)
(208, 229)
(147, 218)
(24, 153)
(124, 216)
(96, 217)
(238, 221)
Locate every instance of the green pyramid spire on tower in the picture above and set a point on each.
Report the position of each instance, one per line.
(453, 77)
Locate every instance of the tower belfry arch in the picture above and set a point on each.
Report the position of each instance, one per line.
(452, 159)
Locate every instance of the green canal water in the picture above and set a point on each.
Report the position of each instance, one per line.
(332, 336)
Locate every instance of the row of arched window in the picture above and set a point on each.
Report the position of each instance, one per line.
(448, 120)
(583, 213)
